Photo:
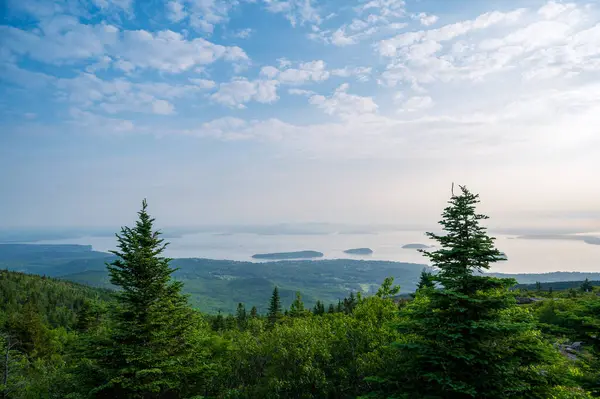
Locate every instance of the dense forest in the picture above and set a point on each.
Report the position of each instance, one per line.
(462, 334)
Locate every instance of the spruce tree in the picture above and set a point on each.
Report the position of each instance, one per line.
(340, 307)
(253, 312)
(468, 338)
(274, 307)
(426, 280)
(331, 309)
(149, 351)
(586, 286)
(241, 316)
(319, 309)
(349, 303)
(297, 307)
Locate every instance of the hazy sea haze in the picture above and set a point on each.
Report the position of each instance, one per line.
(524, 256)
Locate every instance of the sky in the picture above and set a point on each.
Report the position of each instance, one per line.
(269, 111)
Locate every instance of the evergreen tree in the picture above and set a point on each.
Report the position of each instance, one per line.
(586, 286)
(349, 303)
(253, 312)
(89, 316)
(340, 307)
(241, 317)
(274, 313)
(331, 309)
(230, 322)
(319, 309)
(150, 351)
(218, 322)
(426, 280)
(470, 323)
(297, 307)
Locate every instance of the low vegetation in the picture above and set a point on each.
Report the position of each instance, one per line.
(460, 335)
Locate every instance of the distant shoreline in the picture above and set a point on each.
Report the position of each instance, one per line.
(592, 240)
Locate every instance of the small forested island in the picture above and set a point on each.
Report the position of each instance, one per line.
(415, 246)
(359, 251)
(290, 255)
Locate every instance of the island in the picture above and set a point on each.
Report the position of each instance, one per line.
(290, 255)
(359, 251)
(415, 246)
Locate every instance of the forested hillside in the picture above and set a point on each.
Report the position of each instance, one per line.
(460, 335)
(219, 285)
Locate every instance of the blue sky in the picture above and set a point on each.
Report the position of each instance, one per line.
(262, 111)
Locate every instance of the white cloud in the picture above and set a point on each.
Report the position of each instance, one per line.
(417, 104)
(162, 107)
(63, 40)
(94, 123)
(553, 40)
(391, 47)
(386, 8)
(201, 15)
(119, 5)
(301, 92)
(241, 91)
(204, 83)
(298, 12)
(43, 9)
(552, 9)
(60, 41)
(170, 52)
(426, 19)
(12, 73)
(87, 91)
(343, 104)
(313, 71)
(362, 74)
(376, 17)
(176, 11)
(243, 33)
(124, 66)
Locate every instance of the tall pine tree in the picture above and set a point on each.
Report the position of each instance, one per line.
(274, 307)
(149, 352)
(468, 338)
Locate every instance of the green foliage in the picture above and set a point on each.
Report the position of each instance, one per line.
(470, 323)
(297, 309)
(426, 280)
(586, 286)
(274, 307)
(319, 309)
(149, 349)
(460, 336)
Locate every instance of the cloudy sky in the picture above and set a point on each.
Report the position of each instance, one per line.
(263, 111)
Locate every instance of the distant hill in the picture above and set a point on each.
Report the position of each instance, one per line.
(289, 255)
